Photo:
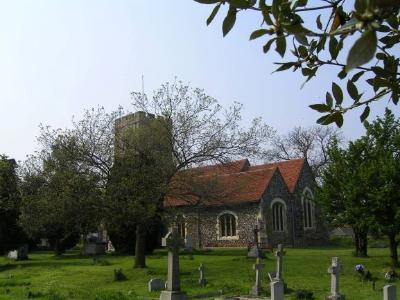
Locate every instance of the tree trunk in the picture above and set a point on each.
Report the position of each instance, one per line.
(393, 250)
(140, 247)
(363, 243)
(356, 242)
(199, 242)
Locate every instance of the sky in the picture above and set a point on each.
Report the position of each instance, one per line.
(58, 58)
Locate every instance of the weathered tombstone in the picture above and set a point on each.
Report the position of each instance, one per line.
(334, 270)
(257, 288)
(389, 292)
(23, 252)
(271, 276)
(277, 290)
(189, 244)
(255, 250)
(156, 285)
(202, 279)
(13, 254)
(173, 242)
(279, 263)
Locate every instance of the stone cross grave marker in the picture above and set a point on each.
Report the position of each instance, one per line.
(202, 279)
(389, 292)
(279, 263)
(173, 242)
(257, 288)
(334, 270)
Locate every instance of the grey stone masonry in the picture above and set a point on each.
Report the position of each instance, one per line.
(173, 242)
(389, 292)
(334, 270)
(156, 285)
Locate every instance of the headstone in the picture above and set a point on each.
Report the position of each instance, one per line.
(255, 250)
(202, 279)
(271, 276)
(189, 244)
(13, 254)
(334, 270)
(173, 242)
(257, 288)
(156, 285)
(277, 290)
(279, 263)
(389, 292)
(23, 252)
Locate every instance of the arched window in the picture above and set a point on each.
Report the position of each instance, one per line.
(308, 209)
(227, 225)
(278, 215)
(181, 224)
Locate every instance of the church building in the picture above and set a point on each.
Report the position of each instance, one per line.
(222, 205)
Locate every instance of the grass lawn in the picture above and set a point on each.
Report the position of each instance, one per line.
(72, 276)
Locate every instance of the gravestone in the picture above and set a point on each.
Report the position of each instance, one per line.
(277, 290)
(23, 252)
(257, 288)
(255, 250)
(13, 254)
(334, 270)
(156, 285)
(173, 242)
(389, 292)
(202, 279)
(271, 276)
(189, 244)
(279, 263)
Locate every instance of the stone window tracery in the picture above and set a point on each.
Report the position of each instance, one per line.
(278, 215)
(227, 225)
(308, 209)
(181, 224)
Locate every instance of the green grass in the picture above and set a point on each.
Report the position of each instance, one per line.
(228, 271)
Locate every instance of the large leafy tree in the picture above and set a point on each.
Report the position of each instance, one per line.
(59, 196)
(10, 232)
(360, 39)
(343, 193)
(383, 177)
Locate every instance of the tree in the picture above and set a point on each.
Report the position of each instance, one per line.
(59, 196)
(309, 143)
(383, 142)
(11, 235)
(198, 129)
(344, 192)
(139, 181)
(372, 55)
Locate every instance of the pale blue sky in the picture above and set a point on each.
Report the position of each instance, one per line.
(58, 57)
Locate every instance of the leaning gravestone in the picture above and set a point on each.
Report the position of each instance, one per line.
(334, 270)
(156, 285)
(389, 292)
(173, 242)
(257, 288)
(279, 263)
(23, 252)
(202, 279)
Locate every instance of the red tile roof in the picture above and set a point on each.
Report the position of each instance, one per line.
(231, 183)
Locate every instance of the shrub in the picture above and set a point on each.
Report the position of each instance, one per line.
(304, 295)
(119, 275)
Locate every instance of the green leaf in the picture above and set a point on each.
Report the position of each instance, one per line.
(319, 23)
(320, 107)
(256, 34)
(213, 14)
(267, 46)
(365, 114)
(333, 47)
(357, 76)
(207, 1)
(285, 66)
(329, 99)
(338, 118)
(240, 3)
(275, 8)
(363, 50)
(337, 93)
(352, 90)
(301, 38)
(302, 2)
(281, 45)
(342, 74)
(326, 120)
(229, 20)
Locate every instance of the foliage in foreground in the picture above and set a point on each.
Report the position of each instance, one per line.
(373, 55)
